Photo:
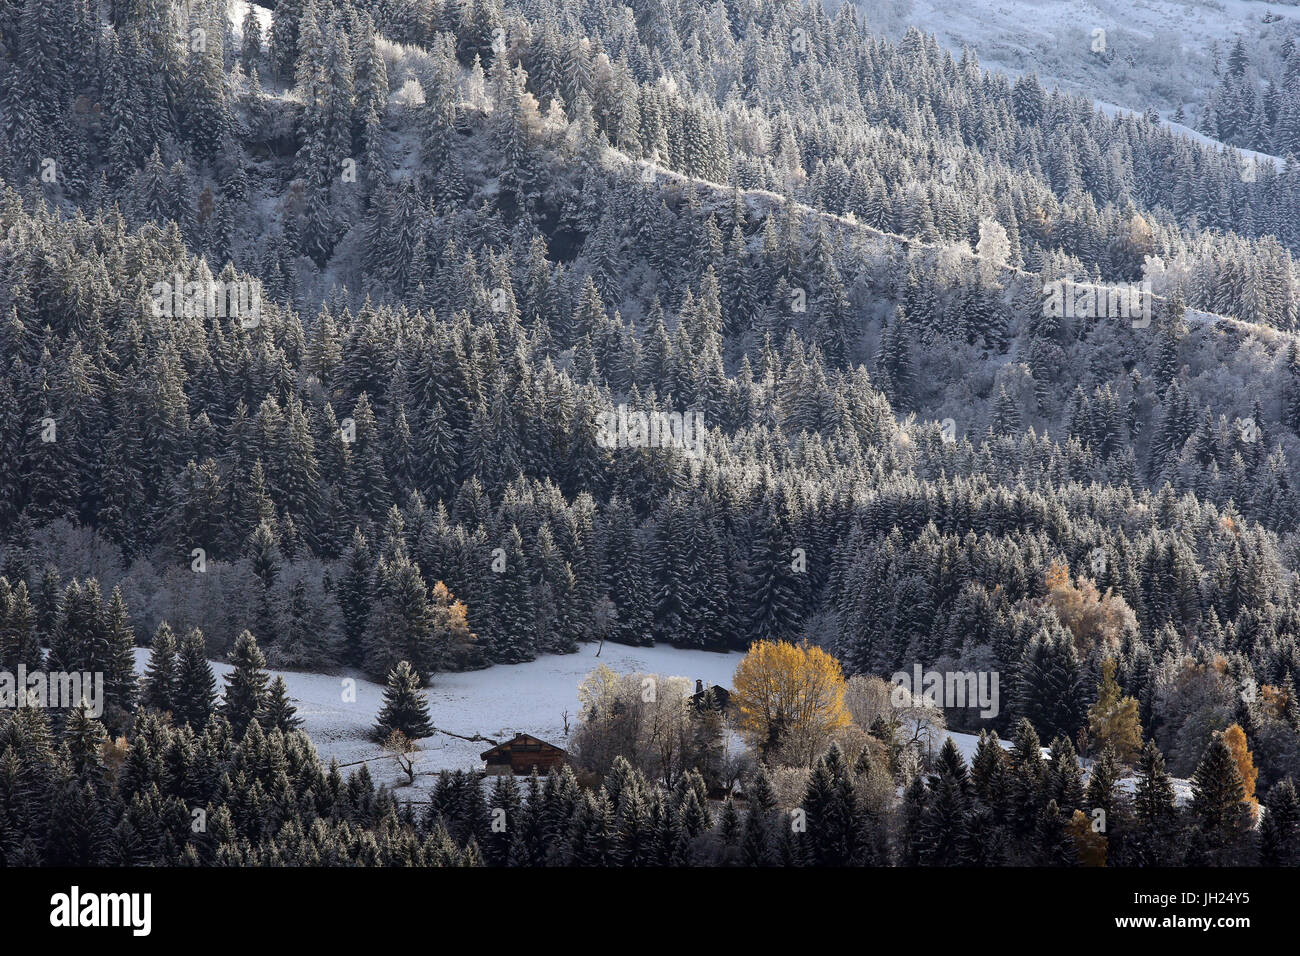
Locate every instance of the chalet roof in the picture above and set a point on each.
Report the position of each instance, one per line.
(721, 696)
(519, 742)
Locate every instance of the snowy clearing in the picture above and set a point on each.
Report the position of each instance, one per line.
(495, 702)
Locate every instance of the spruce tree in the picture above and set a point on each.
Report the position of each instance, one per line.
(944, 820)
(278, 713)
(245, 698)
(1156, 828)
(1219, 810)
(196, 686)
(119, 671)
(405, 706)
(1279, 840)
(160, 684)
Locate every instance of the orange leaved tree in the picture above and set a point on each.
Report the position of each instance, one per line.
(1235, 738)
(790, 700)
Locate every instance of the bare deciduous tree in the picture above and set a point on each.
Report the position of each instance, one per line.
(403, 750)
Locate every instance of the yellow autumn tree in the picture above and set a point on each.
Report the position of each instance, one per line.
(1137, 242)
(1088, 843)
(790, 700)
(451, 633)
(1094, 620)
(1277, 702)
(1113, 720)
(1235, 738)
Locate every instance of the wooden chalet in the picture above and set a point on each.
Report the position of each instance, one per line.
(721, 697)
(521, 754)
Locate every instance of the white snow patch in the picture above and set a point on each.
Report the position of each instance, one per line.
(236, 12)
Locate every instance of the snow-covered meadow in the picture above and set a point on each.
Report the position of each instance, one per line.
(496, 702)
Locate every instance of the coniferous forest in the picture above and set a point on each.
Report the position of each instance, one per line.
(393, 343)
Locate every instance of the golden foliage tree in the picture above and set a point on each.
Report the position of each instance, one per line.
(451, 631)
(1093, 619)
(1113, 720)
(1235, 738)
(790, 700)
(1278, 702)
(403, 750)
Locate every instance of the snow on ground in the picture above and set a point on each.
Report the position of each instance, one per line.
(1161, 48)
(1159, 44)
(496, 702)
(966, 744)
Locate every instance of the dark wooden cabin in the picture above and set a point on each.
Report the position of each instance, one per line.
(721, 697)
(521, 754)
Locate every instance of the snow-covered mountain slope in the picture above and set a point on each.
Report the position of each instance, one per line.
(1247, 155)
(1149, 52)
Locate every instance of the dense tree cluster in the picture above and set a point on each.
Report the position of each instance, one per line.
(1256, 102)
(172, 795)
(473, 231)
